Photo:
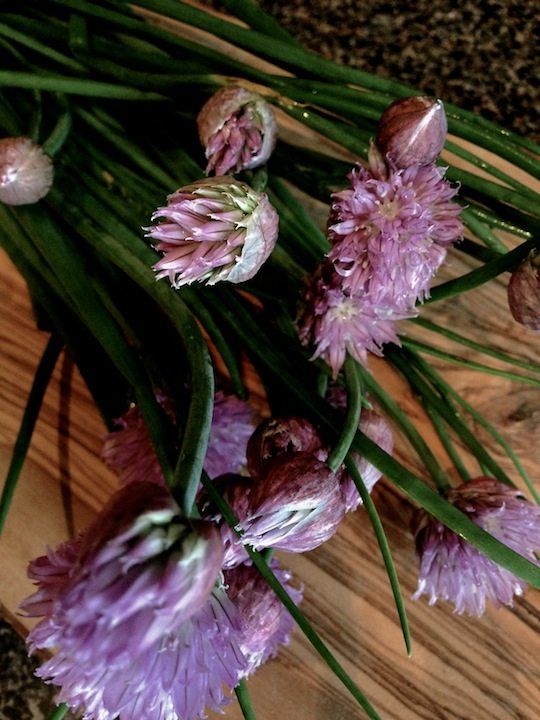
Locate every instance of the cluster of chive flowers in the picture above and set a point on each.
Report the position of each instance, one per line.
(389, 233)
(159, 616)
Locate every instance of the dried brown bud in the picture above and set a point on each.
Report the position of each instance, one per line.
(412, 131)
(278, 436)
(524, 292)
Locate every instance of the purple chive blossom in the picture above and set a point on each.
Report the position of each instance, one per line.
(140, 628)
(412, 131)
(266, 624)
(336, 322)
(454, 570)
(26, 173)
(524, 292)
(277, 436)
(238, 130)
(129, 452)
(297, 506)
(233, 423)
(213, 230)
(390, 231)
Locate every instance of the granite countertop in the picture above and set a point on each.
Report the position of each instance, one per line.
(480, 55)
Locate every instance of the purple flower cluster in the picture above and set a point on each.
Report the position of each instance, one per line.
(143, 621)
(129, 452)
(389, 233)
(454, 570)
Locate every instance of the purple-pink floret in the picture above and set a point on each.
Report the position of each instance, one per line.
(140, 627)
(454, 570)
(337, 322)
(233, 423)
(213, 230)
(266, 624)
(129, 452)
(389, 233)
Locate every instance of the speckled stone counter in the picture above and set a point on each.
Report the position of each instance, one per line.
(480, 55)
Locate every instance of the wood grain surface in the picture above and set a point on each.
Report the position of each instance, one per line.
(461, 669)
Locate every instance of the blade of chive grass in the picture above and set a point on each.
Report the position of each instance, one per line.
(252, 14)
(462, 340)
(398, 357)
(32, 44)
(449, 392)
(391, 407)
(444, 511)
(482, 231)
(470, 364)
(352, 417)
(59, 713)
(354, 406)
(31, 412)
(446, 440)
(59, 134)
(481, 275)
(384, 547)
(244, 701)
(302, 622)
(74, 86)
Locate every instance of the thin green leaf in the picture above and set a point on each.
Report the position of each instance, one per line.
(31, 412)
(244, 700)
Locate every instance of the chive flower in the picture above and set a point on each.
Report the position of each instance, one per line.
(452, 569)
(213, 230)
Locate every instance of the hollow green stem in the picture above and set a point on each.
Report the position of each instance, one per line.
(449, 392)
(415, 438)
(446, 440)
(244, 700)
(382, 540)
(462, 340)
(352, 418)
(487, 272)
(470, 364)
(74, 86)
(59, 713)
(31, 412)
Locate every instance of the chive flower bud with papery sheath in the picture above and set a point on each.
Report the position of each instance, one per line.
(26, 173)
(412, 131)
(296, 506)
(524, 292)
(278, 436)
(214, 229)
(127, 599)
(238, 130)
(454, 570)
